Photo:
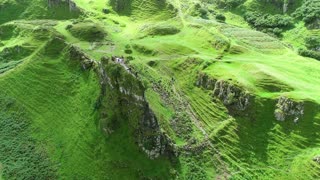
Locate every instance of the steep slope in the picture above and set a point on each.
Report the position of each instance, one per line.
(152, 90)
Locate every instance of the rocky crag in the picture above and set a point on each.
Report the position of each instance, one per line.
(122, 102)
(288, 109)
(233, 97)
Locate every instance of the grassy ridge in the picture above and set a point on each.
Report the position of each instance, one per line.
(49, 101)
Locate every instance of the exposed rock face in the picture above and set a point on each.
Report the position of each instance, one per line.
(77, 54)
(123, 93)
(151, 140)
(317, 159)
(235, 98)
(206, 82)
(288, 109)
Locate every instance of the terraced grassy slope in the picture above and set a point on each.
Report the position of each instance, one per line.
(191, 97)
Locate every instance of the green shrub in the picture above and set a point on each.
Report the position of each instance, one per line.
(313, 42)
(161, 30)
(275, 24)
(203, 13)
(229, 3)
(309, 53)
(144, 50)
(220, 43)
(220, 17)
(309, 12)
(20, 156)
(128, 51)
(198, 10)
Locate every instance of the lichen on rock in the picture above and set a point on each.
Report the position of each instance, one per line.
(288, 109)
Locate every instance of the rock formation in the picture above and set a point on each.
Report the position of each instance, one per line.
(151, 140)
(234, 97)
(288, 109)
(122, 92)
(77, 54)
(231, 95)
(316, 159)
(72, 5)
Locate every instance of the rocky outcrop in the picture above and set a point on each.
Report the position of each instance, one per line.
(288, 109)
(77, 55)
(194, 147)
(206, 82)
(122, 95)
(151, 140)
(316, 159)
(233, 97)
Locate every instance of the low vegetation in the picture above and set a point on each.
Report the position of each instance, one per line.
(275, 24)
(87, 31)
(163, 89)
(309, 12)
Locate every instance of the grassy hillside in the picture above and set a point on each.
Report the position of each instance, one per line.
(195, 97)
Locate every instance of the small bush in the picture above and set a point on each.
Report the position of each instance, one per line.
(198, 10)
(203, 13)
(309, 53)
(229, 3)
(106, 11)
(128, 51)
(313, 42)
(237, 49)
(309, 12)
(220, 43)
(161, 30)
(220, 17)
(144, 50)
(267, 23)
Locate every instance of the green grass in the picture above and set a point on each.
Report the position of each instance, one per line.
(49, 104)
(88, 31)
